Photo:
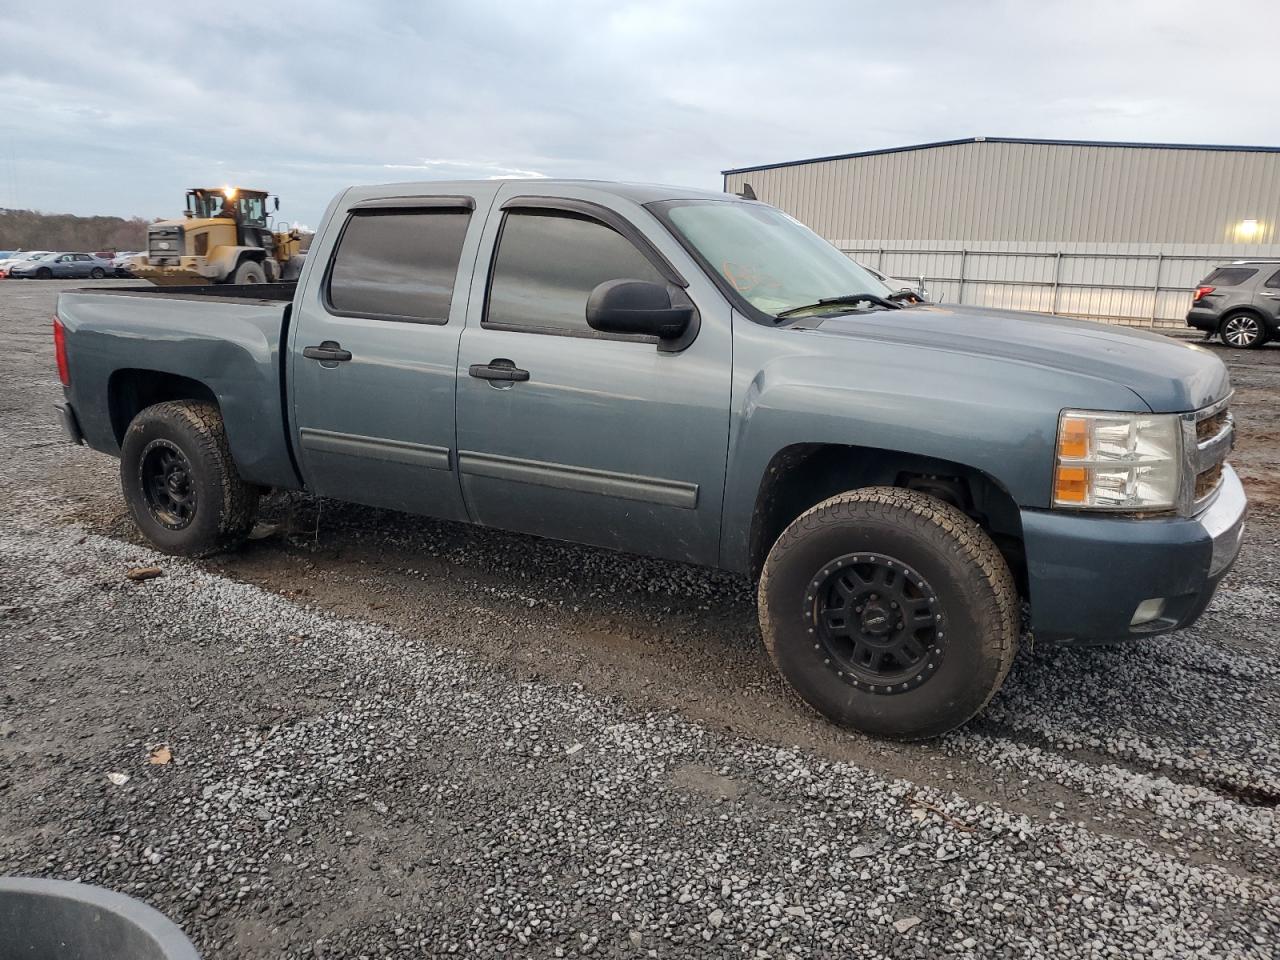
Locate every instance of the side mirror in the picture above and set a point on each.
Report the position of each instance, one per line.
(636, 307)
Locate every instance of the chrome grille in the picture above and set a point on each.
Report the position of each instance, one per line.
(1209, 434)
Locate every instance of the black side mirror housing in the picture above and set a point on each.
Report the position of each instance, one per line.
(637, 307)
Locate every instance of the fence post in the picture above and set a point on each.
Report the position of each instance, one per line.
(1057, 279)
(1155, 290)
(964, 255)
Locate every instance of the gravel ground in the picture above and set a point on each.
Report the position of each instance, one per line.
(389, 736)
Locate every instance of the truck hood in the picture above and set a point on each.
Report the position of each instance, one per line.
(1169, 375)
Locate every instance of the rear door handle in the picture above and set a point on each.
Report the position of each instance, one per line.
(501, 370)
(329, 353)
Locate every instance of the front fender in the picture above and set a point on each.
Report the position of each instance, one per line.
(994, 415)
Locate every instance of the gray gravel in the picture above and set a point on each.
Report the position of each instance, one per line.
(394, 737)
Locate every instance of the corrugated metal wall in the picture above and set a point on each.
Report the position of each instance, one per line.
(1101, 231)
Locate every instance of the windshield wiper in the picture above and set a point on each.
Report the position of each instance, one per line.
(849, 299)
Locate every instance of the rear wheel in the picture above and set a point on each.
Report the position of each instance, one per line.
(890, 612)
(1243, 330)
(249, 272)
(180, 483)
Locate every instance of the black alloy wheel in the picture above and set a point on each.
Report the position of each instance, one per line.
(164, 474)
(877, 621)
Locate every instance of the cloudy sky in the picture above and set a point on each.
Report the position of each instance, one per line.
(116, 109)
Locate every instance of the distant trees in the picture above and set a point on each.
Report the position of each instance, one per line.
(33, 230)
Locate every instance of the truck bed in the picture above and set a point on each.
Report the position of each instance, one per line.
(265, 292)
(129, 345)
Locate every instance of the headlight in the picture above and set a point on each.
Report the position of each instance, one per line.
(1117, 461)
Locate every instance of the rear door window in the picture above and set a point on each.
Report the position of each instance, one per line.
(546, 266)
(397, 264)
(1229, 277)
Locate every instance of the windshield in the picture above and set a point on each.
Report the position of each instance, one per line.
(248, 208)
(772, 260)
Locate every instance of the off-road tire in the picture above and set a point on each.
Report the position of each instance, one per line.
(225, 505)
(1241, 323)
(972, 585)
(249, 272)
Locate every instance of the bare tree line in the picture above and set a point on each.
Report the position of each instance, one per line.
(33, 230)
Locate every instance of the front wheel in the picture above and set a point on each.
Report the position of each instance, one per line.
(890, 612)
(1243, 330)
(44, 273)
(180, 482)
(249, 272)
(97, 273)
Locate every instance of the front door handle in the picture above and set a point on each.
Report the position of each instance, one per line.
(329, 353)
(503, 370)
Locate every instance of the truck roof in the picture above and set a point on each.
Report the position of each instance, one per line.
(637, 192)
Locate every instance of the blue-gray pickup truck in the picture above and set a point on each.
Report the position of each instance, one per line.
(697, 377)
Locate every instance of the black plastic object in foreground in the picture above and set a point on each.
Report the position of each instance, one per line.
(58, 920)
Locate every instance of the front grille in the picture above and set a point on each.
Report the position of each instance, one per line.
(1212, 425)
(1214, 438)
(164, 243)
(1208, 481)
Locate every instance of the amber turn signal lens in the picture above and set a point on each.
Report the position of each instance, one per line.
(1073, 439)
(1070, 484)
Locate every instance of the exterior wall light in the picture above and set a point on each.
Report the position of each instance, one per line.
(1247, 230)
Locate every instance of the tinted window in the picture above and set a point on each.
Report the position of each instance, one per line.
(398, 264)
(1229, 276)
(1274, 280)
(548, 264)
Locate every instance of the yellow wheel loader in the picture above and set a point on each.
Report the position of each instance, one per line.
(226, 237)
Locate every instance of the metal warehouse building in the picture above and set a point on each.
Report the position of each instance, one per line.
(1114, 230)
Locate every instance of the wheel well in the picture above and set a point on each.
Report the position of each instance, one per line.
(802, 475)
(1236, 311)
(129, 392)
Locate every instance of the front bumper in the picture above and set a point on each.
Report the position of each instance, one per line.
(1087, 574)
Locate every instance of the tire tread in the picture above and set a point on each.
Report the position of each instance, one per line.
(239, 507)
(922, 515)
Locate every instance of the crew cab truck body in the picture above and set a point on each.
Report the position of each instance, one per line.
(695, 377)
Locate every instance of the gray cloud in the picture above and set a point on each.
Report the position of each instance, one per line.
(119, 113)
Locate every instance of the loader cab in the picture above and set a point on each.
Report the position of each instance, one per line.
(248, 208)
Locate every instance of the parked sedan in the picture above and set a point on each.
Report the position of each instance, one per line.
(122, 263)
(19, 257)
(70, 266)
